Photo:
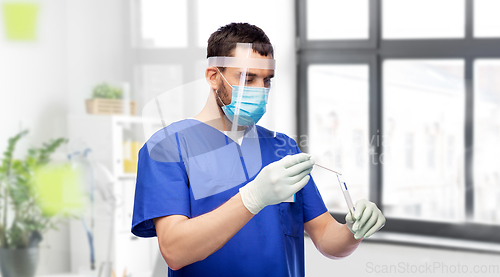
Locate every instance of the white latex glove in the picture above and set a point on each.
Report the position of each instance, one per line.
(277, 182)
(367, 220)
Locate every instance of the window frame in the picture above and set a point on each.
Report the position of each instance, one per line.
(136, 56)
(323, 57)
(328, 44)
(374, 52)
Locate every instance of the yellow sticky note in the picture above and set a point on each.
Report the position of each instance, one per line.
(59, 189)
(20, 20)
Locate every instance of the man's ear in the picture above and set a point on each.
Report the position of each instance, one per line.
(211, 77)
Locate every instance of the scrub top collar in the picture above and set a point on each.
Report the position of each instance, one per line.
(249, 132)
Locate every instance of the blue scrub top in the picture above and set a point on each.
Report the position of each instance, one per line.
(270, 244)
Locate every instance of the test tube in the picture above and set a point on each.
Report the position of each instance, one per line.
(347, 196)
(343, 186)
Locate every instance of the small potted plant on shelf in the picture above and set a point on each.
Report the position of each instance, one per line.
(107, 99)
(22, 219)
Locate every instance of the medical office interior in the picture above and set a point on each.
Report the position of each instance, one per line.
(400, 96)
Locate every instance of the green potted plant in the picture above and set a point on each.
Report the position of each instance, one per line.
(22, 220)
(106, 91)
(107, 99)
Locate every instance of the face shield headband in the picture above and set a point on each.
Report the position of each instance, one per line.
(248, 102)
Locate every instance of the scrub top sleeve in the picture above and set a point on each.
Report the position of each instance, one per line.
(162, 189)
(313, 202)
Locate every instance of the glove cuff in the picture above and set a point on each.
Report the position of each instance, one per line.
(349, 223)
(250, 201)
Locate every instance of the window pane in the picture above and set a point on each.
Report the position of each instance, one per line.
(163, 23)
(264, 14)
(337, 19)
(338, 130)
(423, 157)
(423, 19)
(487, 141)
(486, 19)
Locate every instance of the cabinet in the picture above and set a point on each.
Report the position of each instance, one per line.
(115, 246)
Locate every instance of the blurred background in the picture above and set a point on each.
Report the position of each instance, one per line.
(401, 96)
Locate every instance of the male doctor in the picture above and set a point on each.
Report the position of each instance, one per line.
(226, 197)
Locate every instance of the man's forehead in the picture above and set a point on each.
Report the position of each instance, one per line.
(241, 52)
(265, 73)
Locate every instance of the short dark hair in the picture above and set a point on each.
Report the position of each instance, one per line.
(223, 41)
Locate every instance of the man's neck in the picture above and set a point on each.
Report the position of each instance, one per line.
(212, 115)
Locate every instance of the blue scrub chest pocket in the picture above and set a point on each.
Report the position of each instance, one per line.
(291, 216)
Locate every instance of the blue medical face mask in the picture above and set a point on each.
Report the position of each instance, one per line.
(252, 105)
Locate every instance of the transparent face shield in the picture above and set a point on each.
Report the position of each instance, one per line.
(244, 84)
(222, 150)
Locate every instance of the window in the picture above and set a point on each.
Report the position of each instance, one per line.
(338, 129)
(337, 19)
(409, 149)
(163, 24)
(213, 14)
(423, 19)
(337, 24)
(487, 141)
(452, 150)
(433, 110)
(431, 151)
(486, 20)
(424, 101)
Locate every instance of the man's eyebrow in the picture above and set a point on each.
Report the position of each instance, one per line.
(255, 75)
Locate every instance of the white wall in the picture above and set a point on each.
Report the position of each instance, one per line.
(34, 95)
(78, 45)
(371, 258)
(94, 44)
(95, 54)
(33, 87)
